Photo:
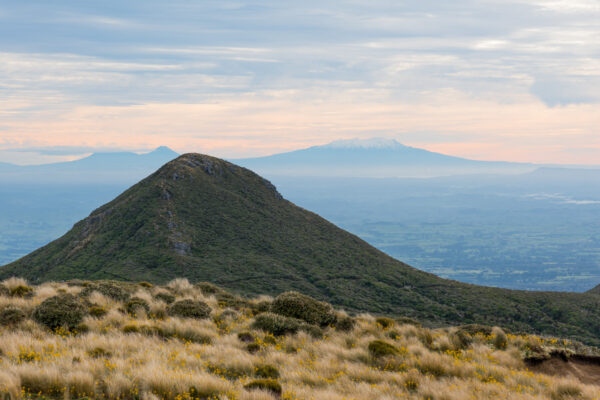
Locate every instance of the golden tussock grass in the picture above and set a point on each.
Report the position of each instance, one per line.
(156, 356)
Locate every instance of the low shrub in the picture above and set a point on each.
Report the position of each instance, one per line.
(276, 324)
(135, 304)
(305, 308)
(385, 322)
(345, 324)
(246, 337)
(189, 309)
(379, 348)
(97, 311)
(460, 339)
(144, 284)
(266, 371)
(253, 348)
(500, 341)
(312, 330)
(11, 315)
(21, 291)
(108, 289)
(99, 352)
(208, 288)
(261, 307)
(407, 321)
(269, 385)
(64, 310)
(166, 297)
(474, 329)
(131, 329)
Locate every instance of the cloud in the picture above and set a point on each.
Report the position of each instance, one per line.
(77, 73)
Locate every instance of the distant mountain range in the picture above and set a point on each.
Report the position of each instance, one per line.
(111, 168)
(209, 220)
(374, 158)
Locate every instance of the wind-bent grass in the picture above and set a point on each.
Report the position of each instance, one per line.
(154, 356)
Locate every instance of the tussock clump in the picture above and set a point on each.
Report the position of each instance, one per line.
(253, 348)
(136, 305)
(379, 348)
(10, 316)
(276, 324)
(305, 308)
(4, 291)
(189, 309)
(269, 385)
(64, 310)
(99, 352)
(180, 286)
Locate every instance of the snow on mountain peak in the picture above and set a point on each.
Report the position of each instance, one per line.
(372, 143)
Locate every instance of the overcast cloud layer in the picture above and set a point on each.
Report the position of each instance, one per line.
(514, 80)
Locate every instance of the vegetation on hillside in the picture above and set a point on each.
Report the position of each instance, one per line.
(209, 220)
(118, 351)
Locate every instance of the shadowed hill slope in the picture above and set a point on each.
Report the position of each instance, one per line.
(209, 220)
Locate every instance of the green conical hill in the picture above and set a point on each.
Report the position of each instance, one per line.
(209, 220)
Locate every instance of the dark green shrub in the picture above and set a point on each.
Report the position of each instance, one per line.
(276, 324)
(226, 299)
(226, 314)
(189, 309)
(407, 321)
(97, 311)
(11, 315)
(297, 305)
(261, 307)
(269, 385)
(135, 304)
(166, 297)
(474, 329)
(21, 291)
(246, 337)
(269, 339)
(385, 322)
(379, 348)
(344, 324)
(252, 348)
(266, 371)
(312, 330)
(131, 329)
(63, 310)
(208, 288)
(99, 352)
(500, 340)
(108, 289)
(201, 393)
(460, 339)
(395, 335)
(81, 328)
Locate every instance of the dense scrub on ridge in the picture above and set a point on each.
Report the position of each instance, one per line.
(133, 346)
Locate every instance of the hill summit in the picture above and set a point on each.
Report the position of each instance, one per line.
(206, 219)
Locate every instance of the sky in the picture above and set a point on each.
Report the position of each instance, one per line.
(513, 80)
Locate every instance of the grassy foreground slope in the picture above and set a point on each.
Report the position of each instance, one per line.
(103, 340)
(205, 219)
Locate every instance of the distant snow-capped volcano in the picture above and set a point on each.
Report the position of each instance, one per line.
(371, 143)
